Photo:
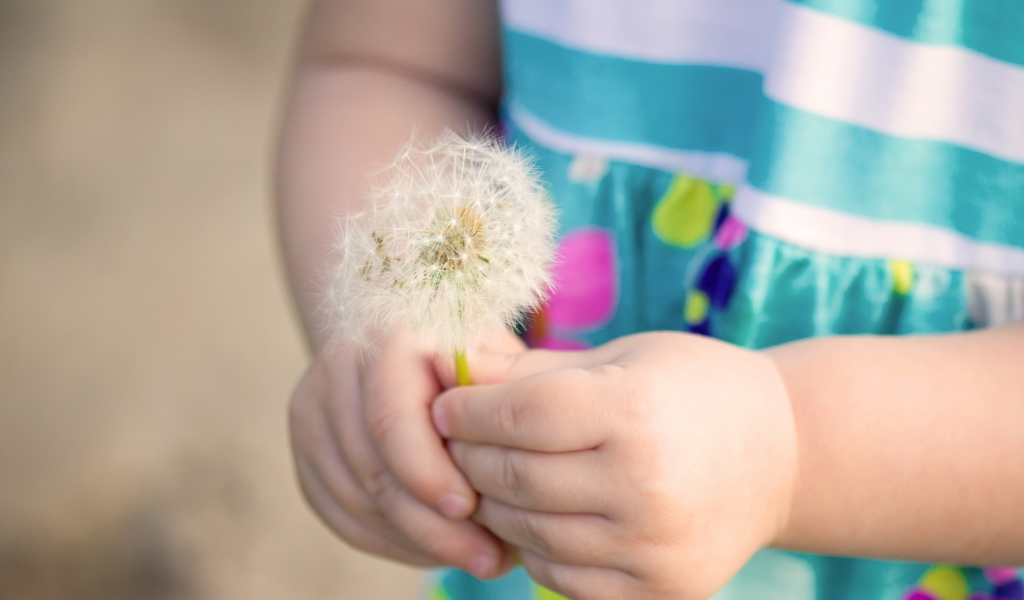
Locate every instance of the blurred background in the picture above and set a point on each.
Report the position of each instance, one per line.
(147, 344)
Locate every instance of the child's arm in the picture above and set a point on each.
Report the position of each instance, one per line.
(909, 447)
(371, 73)
(655, 465)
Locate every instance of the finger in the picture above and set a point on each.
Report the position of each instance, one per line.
(556, 411)
(579, 582)
(501, 362)
(317, 456)
(325, 414)
(463, 544)
(397, 391)
(319, 464)
(350, 529)
(578, 539)
(393, 513)
(504, 343)
(345, 494)
(349, 436)
(569, 482)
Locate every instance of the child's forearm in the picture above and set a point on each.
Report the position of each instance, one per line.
(371, 73)
(910, 448)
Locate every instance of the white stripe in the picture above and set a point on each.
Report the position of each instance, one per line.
(715, 166)
(862, 76)
(811, 227)
(811, 60)
(692, 31)
(994, 300)
(841, 234)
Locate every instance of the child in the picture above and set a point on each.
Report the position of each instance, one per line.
(757, 171)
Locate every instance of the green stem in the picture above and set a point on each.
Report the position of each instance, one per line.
(461, 367)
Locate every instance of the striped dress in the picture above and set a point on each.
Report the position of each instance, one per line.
(763, 171)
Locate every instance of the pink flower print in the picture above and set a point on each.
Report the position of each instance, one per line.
(730, 234)
(586, 285)
(1001, 575)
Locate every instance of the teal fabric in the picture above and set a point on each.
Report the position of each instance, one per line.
(770, 575)
(820, 161)
(792, 153)
(833, 296)
(454, 584)
(690, 107)
(652, 281)
(991, 27)
(783, 292)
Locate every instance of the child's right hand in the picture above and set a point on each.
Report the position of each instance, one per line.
(371, 464)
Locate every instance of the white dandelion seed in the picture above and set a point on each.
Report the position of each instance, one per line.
(457, 242)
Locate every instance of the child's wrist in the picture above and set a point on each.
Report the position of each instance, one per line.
(783, 516)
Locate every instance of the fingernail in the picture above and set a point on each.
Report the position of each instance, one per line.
(439, 421)
(480, 566)
(453, 506)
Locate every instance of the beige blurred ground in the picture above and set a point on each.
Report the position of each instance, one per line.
(146, 342)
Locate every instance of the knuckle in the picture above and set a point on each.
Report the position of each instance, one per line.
(576, 389)
(511, 475)
(381, 421)
(364, 512)
(509, 364)
(355, 505)
(533, 536)
(647, 491)
(644, 484)
(632, 405)
(380, 486)
(608, 374)
(613, 379)
(509, 416)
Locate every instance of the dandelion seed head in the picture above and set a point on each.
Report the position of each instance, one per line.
(457, 242)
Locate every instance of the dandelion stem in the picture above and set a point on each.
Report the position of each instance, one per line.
(461, 367)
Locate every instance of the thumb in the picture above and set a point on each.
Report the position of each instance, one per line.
(491, 366)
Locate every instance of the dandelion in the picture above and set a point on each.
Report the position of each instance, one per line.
(457, 242)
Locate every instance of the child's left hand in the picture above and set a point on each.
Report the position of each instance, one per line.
(651, 467)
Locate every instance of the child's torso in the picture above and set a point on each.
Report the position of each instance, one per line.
(767, 170)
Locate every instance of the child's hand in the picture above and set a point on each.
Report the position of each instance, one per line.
(651, 467)
(373, 467)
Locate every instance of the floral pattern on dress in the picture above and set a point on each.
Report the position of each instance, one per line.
(584, 294)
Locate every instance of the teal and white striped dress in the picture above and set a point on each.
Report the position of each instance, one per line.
(768, 170)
